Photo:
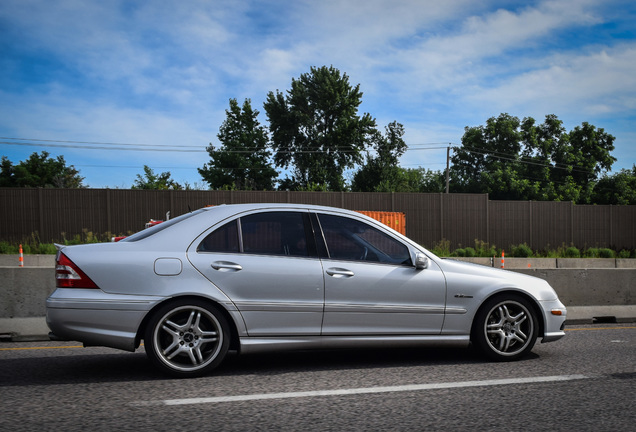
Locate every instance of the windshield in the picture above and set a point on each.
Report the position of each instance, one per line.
(160, 227)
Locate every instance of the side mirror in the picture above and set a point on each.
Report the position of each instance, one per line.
(421, 261)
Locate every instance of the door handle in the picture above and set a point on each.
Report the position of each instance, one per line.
(340, 272)
(226, 266)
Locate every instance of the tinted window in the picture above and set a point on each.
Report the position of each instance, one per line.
(350, 239)
(274, 233)
(270, 233)
(224, 239)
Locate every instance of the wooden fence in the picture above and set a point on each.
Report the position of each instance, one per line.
(54, 214)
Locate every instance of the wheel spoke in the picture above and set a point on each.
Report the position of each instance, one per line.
(192, 316)
(193, 359)
(504, 345)
(521, 339)
(172, 351)
(196, 352)
(172, 348)
(172, 328)
(209, 336)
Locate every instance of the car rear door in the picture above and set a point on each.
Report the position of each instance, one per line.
(371, 286)
(266, 263)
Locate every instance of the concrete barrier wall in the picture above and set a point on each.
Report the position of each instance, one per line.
(29, 260)
(587, 292)
(590, 287)
(553, 263)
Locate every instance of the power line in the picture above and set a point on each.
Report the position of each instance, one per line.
(94, 142)
(120, 147)
(88, 145)
(141, 147)
(510, 157)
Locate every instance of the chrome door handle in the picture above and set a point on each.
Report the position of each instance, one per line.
(226, 266)
(339, 272)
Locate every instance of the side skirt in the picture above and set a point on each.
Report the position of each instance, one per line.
(263, 344)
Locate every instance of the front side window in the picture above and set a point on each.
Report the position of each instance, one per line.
(350, 239)
(267, 233)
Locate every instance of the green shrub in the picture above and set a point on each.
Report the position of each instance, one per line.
(470, 252)
(7, 248)
(47, 249)
(484, 250)
(572, 252)
(522, 251)
(592, 253)
(461, 252)
(624, 254)
(442, 248)
(606, 253)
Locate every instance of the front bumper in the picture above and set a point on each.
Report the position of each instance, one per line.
(554, 313)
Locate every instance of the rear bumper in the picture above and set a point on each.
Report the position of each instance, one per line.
(96, 318)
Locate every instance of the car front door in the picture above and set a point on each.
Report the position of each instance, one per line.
(371, 285)
(267, 264)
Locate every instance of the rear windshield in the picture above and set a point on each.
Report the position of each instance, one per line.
(160, 227)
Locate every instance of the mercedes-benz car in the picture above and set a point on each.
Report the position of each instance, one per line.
(256, 277)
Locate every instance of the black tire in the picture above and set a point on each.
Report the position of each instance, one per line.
(505, 328)
(187, 338)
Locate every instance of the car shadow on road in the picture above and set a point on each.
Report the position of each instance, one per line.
(127, 367)
(74, 369)
(348, 359)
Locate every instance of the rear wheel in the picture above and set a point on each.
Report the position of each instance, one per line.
(187, 338)
(505, 328)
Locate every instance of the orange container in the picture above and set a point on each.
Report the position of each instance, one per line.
(395, 220)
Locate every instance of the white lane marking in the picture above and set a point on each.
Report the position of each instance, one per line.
(368, 390)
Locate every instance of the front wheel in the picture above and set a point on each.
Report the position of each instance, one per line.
(187, 338)
(505, 328)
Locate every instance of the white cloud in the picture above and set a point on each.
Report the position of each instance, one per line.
(596, 83)
(462, 58)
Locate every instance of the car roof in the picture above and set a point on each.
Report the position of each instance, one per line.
(238, 208)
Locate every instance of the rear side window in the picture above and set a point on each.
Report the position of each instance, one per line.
(353, 240)
(267, 233)
(224, 239)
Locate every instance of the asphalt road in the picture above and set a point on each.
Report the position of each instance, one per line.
(586, 381)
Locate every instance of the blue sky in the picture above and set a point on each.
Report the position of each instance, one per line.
(115, 85)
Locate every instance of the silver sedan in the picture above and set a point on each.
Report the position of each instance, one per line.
(255, 277)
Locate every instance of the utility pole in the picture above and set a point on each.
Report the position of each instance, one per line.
(447, 167)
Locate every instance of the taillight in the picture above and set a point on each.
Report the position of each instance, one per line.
(68, 275)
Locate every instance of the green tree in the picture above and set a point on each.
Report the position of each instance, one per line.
(423, 181)
(40, 170)
(150, 180)
(315, 128)
(381, 173)
(520, 160)
(583, 160)
(242, 161)
(488, 160)
(617, 189)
